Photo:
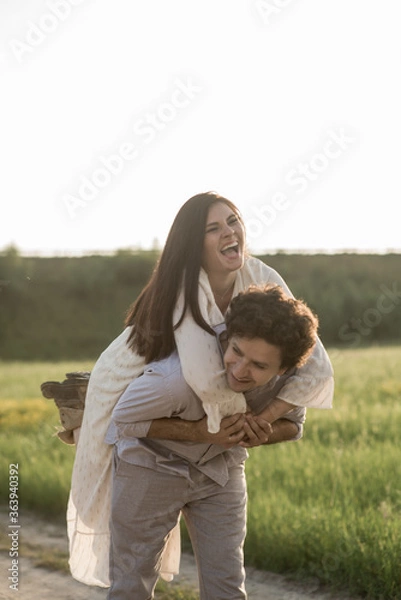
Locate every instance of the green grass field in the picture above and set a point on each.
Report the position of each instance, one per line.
(330, 505)
(326, 507)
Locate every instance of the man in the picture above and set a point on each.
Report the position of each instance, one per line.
(167, 463)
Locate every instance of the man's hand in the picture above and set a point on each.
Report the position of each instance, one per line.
(231, 431)
(257, 431)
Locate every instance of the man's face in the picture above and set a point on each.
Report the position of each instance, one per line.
(251, 363)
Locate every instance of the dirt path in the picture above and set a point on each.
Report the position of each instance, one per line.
(43, 541)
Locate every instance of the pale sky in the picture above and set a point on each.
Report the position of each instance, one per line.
(114, 114)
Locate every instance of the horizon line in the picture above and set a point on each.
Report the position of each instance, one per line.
(134, 249)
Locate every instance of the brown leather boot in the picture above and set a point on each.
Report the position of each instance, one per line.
(69, 397)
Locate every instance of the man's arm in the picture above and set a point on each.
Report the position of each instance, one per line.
(247, 431)
(156, 394)
(231, 430)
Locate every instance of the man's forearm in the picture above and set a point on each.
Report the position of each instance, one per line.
(283, 431)
(230, 434)
(174, 429)
(231, 430)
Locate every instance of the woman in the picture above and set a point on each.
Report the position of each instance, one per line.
(202, 266)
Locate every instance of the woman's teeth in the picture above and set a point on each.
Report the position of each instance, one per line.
(232, 248)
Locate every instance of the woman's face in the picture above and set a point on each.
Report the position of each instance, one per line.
(223, 247)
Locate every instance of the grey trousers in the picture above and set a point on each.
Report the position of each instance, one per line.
(146, 505)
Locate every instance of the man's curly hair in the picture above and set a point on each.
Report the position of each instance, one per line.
(267, 312)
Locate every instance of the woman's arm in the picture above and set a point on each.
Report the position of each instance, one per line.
(312, 385)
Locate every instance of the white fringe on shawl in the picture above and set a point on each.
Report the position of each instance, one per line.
(90, 497)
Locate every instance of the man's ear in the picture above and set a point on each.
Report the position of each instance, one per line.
(288, 371)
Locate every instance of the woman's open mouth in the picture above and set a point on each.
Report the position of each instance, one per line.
(231, 250)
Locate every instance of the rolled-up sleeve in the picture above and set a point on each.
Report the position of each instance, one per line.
(148, 397)
(313, 384)
(297, 416)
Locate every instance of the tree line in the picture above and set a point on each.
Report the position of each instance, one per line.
(61, 308)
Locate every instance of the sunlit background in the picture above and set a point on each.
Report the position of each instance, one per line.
(113, 114)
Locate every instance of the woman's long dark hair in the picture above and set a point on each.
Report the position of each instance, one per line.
(151, 315)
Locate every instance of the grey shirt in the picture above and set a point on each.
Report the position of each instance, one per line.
(161, 391)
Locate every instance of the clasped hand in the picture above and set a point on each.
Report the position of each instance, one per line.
(246, 430)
